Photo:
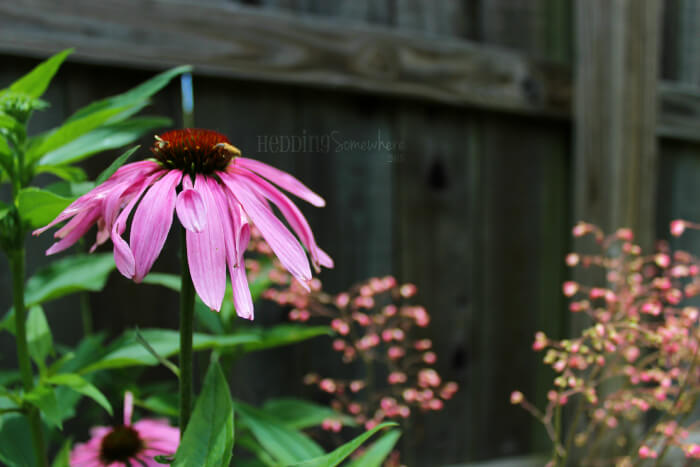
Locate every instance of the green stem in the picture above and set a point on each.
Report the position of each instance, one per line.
(17, 266)
(186, 330)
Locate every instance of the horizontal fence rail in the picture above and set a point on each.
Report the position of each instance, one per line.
(242, 42)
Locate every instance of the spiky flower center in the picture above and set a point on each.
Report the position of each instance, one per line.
(194, 151)
(121, 445)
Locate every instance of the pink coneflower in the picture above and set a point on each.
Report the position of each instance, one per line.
(127, 444)
(216, 193)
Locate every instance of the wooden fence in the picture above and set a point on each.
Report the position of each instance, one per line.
(504, 121)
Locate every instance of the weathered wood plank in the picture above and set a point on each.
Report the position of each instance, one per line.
(235, 41)
(615, 114)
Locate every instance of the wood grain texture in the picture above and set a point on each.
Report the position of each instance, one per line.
(615, 114)
(235, 41)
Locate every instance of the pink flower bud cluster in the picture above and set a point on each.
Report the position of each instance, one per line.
(374, 324)
(638, 362)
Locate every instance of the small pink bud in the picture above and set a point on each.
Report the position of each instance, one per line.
(354, 408)
(342, 300)
(693, 450)
(572, 259)
(366, 291)
(410, 395)
(429, 358)
(677, 228)
(327, 385)
(428, 377)
(423, 344)
(361, 318)
(396, 377)
(395, 352)
(357, 385)
(404, 411)
(662, 260)
(570, 288)
(389, 310)
(645, 452)
(408, 290)
(625, 234)
(581, 229)
(338, 345)
(631, 354)
(516, 397)
(340, 326)
(330, 424)
(435, 404)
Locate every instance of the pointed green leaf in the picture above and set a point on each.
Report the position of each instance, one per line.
(375, 455)
(66, 172)
(39, 340)
(285, 444)
(69, 275)
(44, 398)
(70, 189)
(46, 144)
(300, 414)
(80, 385)
(110, 136)
(62, 459)
(39, 207)
(133, 96)
(36, 81)
(127, 351)
(208, 439)
(284, 334)
(340, 454)
(114, 166)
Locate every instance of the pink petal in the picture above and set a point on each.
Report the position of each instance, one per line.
(282, 179)
(293, 215)
(77, 228)
(242, 298)
(206, 250)
(190, 208)
(152, 222)
(282, 242)
(128, 407)
(123, 256)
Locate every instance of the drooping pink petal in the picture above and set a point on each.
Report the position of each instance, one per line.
(152, 221)
(190, 207)
(123, 257)
(79, 225)
(242, 298)
(282, 242)
(282, 179)
(293, 215)
(206, 250)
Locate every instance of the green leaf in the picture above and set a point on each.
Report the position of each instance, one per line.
(284, 334)
(70, 189)
(127, 351)
(45, 145)
(62, 459)
(133, 96)
(110, 136)
(300, 414)
(378, 451)
(170, 281)
(44, 398)
(285, 444)
(36, 81)
(340, 454)
(69, 275)
(66, 172)
(163, 404)
(208, 439)
(16, 447)
(39, 207)
(39, 340)
(118, 162)
(78, 384)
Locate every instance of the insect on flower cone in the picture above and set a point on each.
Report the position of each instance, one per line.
(216, 194)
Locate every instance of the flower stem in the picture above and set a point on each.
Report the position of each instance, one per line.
(186, 330)
(17, 266)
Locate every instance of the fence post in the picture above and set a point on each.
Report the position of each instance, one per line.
(615, 112)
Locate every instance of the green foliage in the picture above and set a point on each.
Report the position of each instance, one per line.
(62, 459)
(35, 82)
(44, 398)
(340, 454)
(208, 439)
(375, 455)
(38, 207)
(69, 275)
(15, 441)
(80, 385)
(283, 334)
(286, 445)
(39, 337)
(128, 351)
(300, 414)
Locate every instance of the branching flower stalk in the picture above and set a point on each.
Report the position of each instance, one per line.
(638, 361)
